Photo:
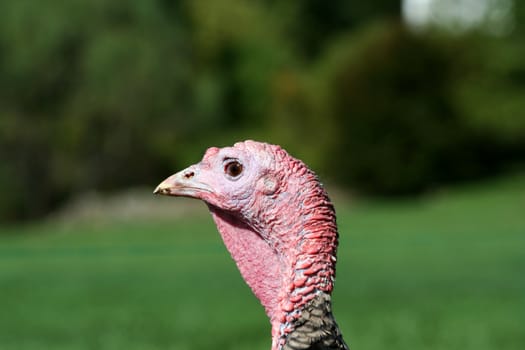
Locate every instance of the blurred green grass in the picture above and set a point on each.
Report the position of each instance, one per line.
(444, 271)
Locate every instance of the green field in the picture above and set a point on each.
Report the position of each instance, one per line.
(445, 271)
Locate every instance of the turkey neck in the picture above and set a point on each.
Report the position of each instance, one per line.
(299, 226)
(287, 256)
(307, 247)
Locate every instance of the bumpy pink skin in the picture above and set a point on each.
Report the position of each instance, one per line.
(276, 221)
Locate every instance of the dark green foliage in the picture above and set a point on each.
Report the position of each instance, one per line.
(400, 130)
(98, 95)
(82, 86)
(317, 23)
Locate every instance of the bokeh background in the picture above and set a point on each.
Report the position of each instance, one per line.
(412, 112)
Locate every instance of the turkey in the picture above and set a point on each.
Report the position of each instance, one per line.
(279, 226)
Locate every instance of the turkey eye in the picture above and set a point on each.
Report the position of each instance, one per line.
(233, 168)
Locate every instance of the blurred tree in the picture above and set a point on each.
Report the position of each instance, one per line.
(238, 46)
(315, 23)
(400, 129)
(101, 95)
(518, 8)
(80, 96)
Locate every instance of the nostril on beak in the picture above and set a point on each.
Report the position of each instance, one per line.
(189, 174)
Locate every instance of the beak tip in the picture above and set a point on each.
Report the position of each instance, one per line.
(160, 190)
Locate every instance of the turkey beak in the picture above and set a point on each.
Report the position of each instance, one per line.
(183, 184)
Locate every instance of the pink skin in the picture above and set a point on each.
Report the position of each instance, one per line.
(276, 221)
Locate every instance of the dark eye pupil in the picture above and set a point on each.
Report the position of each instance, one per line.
(233, 169)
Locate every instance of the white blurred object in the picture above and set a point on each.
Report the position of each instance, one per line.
(495, 17)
